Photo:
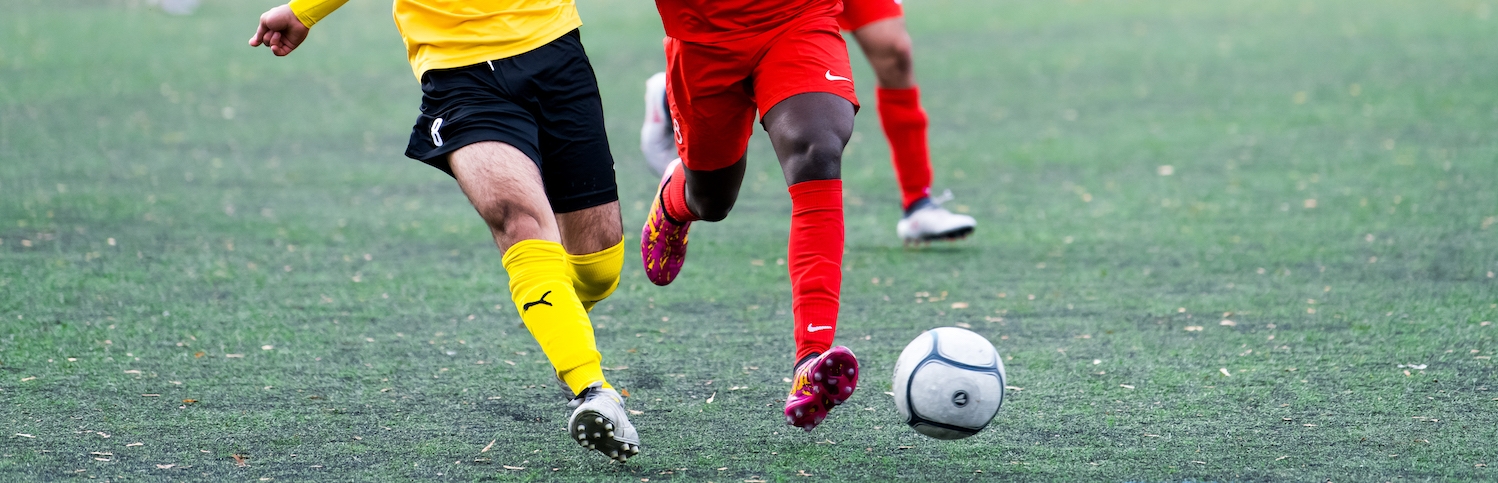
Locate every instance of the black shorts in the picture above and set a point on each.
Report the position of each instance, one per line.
(544, 102)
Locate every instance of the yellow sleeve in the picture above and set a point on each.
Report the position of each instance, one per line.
(312, 11)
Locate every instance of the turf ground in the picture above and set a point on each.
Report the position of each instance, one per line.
(1229, 240)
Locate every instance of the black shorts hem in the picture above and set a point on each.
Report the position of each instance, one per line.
(579, 202)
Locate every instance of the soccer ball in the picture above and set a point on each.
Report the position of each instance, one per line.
(949, 383)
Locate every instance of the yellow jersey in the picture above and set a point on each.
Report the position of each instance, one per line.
(442, 34)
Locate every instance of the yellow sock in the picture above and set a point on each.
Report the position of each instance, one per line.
(596, 275)
(549, 306)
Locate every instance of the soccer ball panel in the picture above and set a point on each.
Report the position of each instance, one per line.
(955, 396)
(964, 346)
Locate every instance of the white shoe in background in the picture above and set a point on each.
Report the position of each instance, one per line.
(657, 139)
(928, 221)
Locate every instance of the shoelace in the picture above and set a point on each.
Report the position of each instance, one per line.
(930, 203)
(588, 394)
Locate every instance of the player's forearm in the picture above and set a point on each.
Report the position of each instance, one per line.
(312, 11)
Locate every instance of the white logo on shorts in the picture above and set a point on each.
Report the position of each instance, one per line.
(437, 137)
(837, 77)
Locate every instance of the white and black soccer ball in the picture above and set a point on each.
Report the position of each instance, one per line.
(949, 383)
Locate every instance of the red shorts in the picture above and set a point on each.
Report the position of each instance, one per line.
(715, 90)
(858, 13)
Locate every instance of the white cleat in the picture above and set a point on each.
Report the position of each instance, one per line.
(657, 139)
(600, 423)
(928, 221)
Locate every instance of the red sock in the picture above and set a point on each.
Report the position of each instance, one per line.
(816, 262)
(674, 196)
(905, 126)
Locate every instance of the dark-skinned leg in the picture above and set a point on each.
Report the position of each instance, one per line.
(711, 194)
(809, 132)
(685, 196)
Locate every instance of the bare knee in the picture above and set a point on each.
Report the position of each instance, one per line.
(895, 59)
(515, 220)
(811, 151)
(809, 132)
(888, 48)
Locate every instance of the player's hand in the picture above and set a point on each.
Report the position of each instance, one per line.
(280, 30)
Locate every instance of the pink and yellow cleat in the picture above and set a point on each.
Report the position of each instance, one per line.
(663, 241)
(820, 384)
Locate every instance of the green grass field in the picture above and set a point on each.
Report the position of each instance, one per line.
(1229, 240)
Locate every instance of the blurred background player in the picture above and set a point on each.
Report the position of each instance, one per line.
(785, 60)
(510, 109)
(879, 28)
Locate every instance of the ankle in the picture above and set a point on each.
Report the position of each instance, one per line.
(674, 198)
(916, 205)
(804, 360)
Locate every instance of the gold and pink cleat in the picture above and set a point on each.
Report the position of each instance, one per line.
(820, 384)
(663, 241)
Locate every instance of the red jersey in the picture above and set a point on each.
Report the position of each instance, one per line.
(706, 21)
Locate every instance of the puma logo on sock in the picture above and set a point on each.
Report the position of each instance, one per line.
(541, 301)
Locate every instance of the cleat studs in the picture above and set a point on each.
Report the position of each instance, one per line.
(581, 428)
(598, 420)
(609, 426)
(847, 389)
(799, 412)
(597, 435)
(611, 434)
(581, 436)
(817, 375)
(852, 371)
(827, 363)
(614, 454)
